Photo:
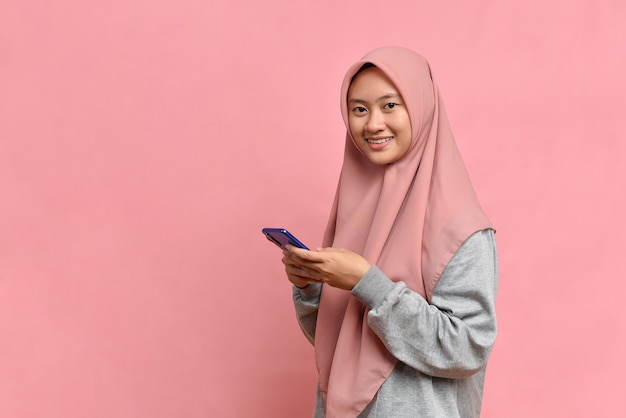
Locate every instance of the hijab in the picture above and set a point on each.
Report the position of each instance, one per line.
(408, 218)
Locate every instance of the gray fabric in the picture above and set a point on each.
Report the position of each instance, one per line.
(442, 347)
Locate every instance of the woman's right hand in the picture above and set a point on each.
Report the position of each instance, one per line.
(336, 267)
(292, 269)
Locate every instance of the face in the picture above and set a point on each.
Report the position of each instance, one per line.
(378, 118)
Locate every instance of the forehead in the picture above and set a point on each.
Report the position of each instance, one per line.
(371, 82)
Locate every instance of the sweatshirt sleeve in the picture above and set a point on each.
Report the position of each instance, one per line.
(452, 336)
(306, 301)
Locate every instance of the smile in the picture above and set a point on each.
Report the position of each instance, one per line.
(379, 140)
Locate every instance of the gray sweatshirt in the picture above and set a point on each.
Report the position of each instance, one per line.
(442, 347)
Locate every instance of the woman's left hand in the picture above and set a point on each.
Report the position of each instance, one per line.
(334, 266)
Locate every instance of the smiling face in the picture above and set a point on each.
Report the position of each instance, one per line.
(378, 119)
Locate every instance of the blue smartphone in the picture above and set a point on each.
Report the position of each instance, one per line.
(282, 237)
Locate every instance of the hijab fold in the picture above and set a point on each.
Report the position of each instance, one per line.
(408, 218)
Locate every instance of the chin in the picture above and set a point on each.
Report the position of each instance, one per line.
(381, 161)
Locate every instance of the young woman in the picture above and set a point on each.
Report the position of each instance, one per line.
(399, 303)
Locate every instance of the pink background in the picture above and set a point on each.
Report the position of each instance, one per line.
(144, 144)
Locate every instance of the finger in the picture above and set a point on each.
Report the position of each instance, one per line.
(295, 250)
(306, 255)
(287, 260)
(303, 272)
(329, 250)
(295, 263)
(296, 270)
(300, 280)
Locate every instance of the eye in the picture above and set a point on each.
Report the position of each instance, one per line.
(390, 105)
(359, 109)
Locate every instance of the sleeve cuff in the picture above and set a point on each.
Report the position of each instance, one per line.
(373, 288)
(310, 292)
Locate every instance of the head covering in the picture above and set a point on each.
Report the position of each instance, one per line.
(408, 218)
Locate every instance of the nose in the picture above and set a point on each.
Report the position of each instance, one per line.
(376, 121)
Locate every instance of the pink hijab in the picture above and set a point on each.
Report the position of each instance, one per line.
(408, 218)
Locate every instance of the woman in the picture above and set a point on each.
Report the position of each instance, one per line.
(399, 303)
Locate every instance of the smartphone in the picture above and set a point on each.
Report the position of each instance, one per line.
(282, 237)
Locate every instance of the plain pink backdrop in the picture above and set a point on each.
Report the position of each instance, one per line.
(144, 144)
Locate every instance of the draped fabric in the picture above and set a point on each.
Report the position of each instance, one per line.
(408, 218)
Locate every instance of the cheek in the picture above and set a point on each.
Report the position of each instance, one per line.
(355, 130)
(404, 121)
(404, 125)
(355, 127)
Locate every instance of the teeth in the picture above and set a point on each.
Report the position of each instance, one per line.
(378, 141)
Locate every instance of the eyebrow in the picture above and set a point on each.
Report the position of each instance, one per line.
(386, 96)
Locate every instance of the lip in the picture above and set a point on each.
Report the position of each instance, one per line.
(377, 146)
